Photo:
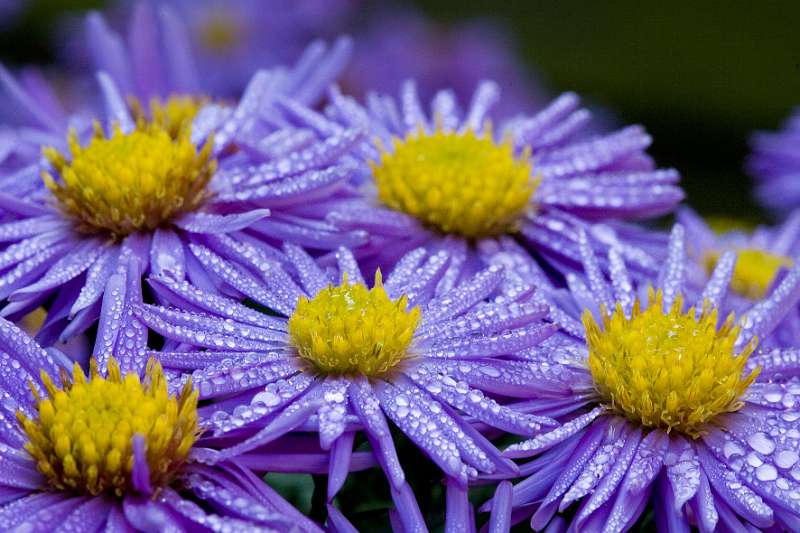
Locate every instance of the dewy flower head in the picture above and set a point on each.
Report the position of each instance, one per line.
(151, 179)
(85, 436)
(352, 330)
(659, 399)
(456, 183)
(764, 255)
(422, 351)
(155, 54)
(449, 177)
(129, 182)
(399, 42)
(673, 370)
(112, 452)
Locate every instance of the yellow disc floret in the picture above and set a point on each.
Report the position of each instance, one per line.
(456, 183)
(133, 181)
(672, 370)
(754, 272)
(82, 439)
(175, 115)
(352, 330)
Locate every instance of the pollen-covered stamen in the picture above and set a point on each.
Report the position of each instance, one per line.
(174, 115)
(754, 272)
(349, 329)
(672, 370)
(82, 439)
(456, 183)
(133, 181)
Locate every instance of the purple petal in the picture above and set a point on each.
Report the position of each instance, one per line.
(96, 279)
(671, 276)
(337, 523)
(407, 509)
(500, 519)
(108, 51)
(486, 95)
(543, 442)
(116, 109)
(145, 52)
(458, 513)
(339, 463)
(368, 409)
(140, 477)
(717, 286)
(683, 470)
(210, 223)
(68, 267)
(184, 78)
(167, 256)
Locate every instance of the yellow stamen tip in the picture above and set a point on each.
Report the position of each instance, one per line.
(456, 183)
(349, 330)
(82, 439)
(672, 370)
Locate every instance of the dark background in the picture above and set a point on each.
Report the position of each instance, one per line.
(701, 76)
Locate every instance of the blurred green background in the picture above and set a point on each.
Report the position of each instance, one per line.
(701, 76)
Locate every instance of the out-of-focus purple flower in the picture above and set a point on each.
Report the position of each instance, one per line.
(396, 45)
(447, 178)
(231, 39)
(149, 179)
(340, 358)
(663, 404)
(764, 256)
(775, 165)
(66, 450)
(157, 58)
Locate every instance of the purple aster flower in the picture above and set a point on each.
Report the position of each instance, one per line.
(775, 164)
(150, 180)
(764, 256)
(400, 43)
(157, 59)
(231, 39)
(110, 452)
(662, 403)
(341, 358)
(449, 179)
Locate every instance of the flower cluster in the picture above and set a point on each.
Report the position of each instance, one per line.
(450, 304)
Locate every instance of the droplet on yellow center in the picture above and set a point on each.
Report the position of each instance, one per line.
(352, 330)
(671, 370)
(82, 439)
(133, 181)
(456, 183)
(754, 272)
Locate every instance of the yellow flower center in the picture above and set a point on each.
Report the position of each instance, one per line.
(670, 370)
(754, 272)
(456, 183)
(220, 32)
(134, 181)
(350, 329)
(82, 439)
